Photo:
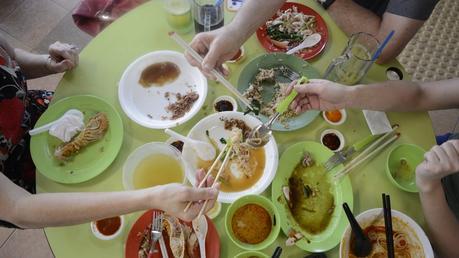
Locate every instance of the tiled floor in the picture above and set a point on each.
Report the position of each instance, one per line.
(35, 24)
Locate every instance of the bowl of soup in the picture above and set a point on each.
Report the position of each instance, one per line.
(152, 164)
(251, 222)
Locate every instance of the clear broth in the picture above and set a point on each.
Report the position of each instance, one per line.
(157, 169)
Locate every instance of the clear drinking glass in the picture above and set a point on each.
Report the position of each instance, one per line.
(178, 14)
(355, 61)
(208, 15)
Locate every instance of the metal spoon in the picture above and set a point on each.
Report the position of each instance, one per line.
(310, 41)
(260, 135)
(105, 15)
(362, 245)
(200, 229)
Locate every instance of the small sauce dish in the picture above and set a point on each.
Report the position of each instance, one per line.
(239, 56)
(225, 103)
(109, 228)
(332, 139)
(335, 117)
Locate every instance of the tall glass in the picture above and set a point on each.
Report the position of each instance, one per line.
(355, 61)
(178, 15)
(208, 15)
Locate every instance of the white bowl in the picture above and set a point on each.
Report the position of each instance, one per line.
(365, 219)
(217, 131)
(144, 151)
(343, 117)
(147, 106)
(337, 133)
(227, 98)
(101, 236)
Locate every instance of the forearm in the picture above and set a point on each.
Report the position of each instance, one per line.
(32, 65)
(352, 18)
(251, 16)
(443, 225)
(404, 96)
(59, 209)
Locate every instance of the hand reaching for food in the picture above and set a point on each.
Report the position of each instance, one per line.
(62, 57)
(318, 95)
(174, 198)
(217, 47)
(440, 161)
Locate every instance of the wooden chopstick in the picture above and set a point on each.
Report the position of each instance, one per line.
(225, 161)
(209, 171)
(361, 158)
(388, 226)
(214, 72)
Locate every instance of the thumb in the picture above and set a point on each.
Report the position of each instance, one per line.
(309, 88)
(199, 194)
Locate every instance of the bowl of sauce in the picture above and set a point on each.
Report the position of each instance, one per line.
(159, 74)
(239, 56)
(109, 228)
(225, 103)
(153, 164)
(332, 139)
(252, 222)
(335, 117)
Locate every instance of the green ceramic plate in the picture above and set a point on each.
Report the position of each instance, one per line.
(251, 254)
(331, 236)
(267, 61)
(93, 159)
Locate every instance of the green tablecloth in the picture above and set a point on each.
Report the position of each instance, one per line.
(144, 30)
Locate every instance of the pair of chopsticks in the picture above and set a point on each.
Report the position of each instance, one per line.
(388, 226)
(215, 73)
(369, 152)
(226, 149)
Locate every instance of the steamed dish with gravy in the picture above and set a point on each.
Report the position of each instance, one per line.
(309, 195)
(406, 242)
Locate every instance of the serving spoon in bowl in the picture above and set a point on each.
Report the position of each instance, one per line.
(309, 41)
(204, 150)
(362, 245)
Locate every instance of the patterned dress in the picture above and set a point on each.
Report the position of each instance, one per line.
(19, 110)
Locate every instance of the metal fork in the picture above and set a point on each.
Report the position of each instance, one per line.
(342, 156)
(288, 73)
(156, 229)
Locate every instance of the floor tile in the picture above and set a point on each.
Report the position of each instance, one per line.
(33, 20)
(7, 7)
(65, 31)
(5, 234)
(31, 243)
(45, 83)
(68, 5)
(13, 41)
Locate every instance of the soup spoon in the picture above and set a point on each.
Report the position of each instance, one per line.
(362, 245)
(200, 229)
(204, 150)
(310, 41)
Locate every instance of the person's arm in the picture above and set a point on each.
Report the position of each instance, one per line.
(25, 210)
(385, 96)
(62, 57)
(352, 18)
(220, 45)
(443, 226)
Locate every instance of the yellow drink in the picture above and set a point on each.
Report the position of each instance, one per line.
(178, 15)
(157, 169)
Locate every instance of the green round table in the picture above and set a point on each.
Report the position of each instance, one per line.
(144, 30)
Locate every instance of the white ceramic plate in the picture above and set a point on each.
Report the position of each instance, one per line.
(217, 131)
(365, 218)
(147, 106)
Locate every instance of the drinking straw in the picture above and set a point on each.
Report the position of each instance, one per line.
(382, 46)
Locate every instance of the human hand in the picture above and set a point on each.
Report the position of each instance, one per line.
(216, 46)
(440, 161)
(173, 198)
(62, 57)
(319, 95)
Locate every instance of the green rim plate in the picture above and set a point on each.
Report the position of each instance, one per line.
(331, 236)
(93, 159)
(275, 60)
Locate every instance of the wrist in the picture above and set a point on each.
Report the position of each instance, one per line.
(149, 198)
(45, 63)
(351, 95)
(426, 185)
